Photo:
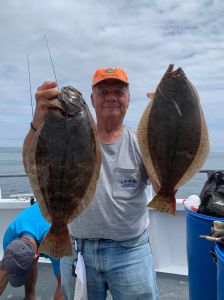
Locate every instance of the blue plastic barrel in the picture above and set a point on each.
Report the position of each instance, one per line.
(201, 267)
(219, 250)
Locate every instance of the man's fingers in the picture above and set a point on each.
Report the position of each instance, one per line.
(47, 85)
(49, 102)
(47, 94)
(52, 103)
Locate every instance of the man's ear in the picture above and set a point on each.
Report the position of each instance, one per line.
(128, 100)
(92, 100)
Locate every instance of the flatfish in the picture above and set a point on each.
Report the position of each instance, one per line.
(173, 137)
(63, 164)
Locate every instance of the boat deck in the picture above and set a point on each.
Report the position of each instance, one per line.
(171, 287)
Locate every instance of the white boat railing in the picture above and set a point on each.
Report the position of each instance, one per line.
(167, 233)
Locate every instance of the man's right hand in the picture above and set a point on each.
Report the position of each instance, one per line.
(44, 95)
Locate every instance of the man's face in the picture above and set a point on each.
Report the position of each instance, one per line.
(110, 98)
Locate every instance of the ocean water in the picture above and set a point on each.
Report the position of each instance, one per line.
(11, 163)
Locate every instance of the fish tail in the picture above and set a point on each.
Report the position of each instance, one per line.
(210, 238)
(57, 243)
(163, 204)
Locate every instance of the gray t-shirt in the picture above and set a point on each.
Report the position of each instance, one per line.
(118, 210)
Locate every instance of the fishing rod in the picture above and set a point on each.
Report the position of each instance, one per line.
(31, 98)
(51, 60)
(28, 66)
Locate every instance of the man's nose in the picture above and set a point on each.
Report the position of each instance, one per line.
(111, 99)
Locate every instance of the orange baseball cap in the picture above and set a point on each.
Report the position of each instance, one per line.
(109, 73)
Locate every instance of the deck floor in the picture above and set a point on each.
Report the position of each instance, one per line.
(171, 287)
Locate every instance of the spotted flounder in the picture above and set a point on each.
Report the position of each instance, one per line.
(173, 137)
(63, 164)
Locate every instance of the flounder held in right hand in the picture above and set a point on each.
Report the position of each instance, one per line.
(63, 165)
(173, 137)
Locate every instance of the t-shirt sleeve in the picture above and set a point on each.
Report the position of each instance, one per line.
(9, 236)
(55, 265)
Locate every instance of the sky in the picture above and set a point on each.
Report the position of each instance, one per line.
(141, 36)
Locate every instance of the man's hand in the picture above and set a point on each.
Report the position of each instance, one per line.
(44, 95)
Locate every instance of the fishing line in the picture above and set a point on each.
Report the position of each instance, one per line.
(31, 98)
(51, 60)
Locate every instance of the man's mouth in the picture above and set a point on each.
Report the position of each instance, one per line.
(111, 106)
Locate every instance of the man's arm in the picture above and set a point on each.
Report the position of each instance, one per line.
(30, 284)
(3, 279)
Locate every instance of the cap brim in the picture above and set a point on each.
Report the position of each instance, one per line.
(109, 78)
(17, 280)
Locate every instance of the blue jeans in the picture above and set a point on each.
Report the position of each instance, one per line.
(125, 268)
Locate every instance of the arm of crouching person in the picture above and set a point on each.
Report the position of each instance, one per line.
(3, 279)
(44, 95)
(31, 281)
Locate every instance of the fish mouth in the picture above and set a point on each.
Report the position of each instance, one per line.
(60, 110)
(170, 72)
(62, 113)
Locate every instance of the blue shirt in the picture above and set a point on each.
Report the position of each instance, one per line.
(30, 222)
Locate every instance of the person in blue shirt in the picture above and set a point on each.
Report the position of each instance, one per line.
(20, 243)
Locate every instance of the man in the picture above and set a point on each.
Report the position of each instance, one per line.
(111, 233)
(20, 260)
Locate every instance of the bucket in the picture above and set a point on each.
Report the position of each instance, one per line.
(219, 251)
(201, 267)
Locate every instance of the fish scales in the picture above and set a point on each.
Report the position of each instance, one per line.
(174, 127)
(63, 167)
(173, 137)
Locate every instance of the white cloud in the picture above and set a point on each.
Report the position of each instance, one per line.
(141, 36)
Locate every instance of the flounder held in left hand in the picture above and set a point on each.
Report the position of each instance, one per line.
(63, 165)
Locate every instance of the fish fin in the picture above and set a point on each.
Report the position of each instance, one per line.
(56, 244)
(142, 138)
(211, 238)
(150, 95)
(163, 204)
(33, 176)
